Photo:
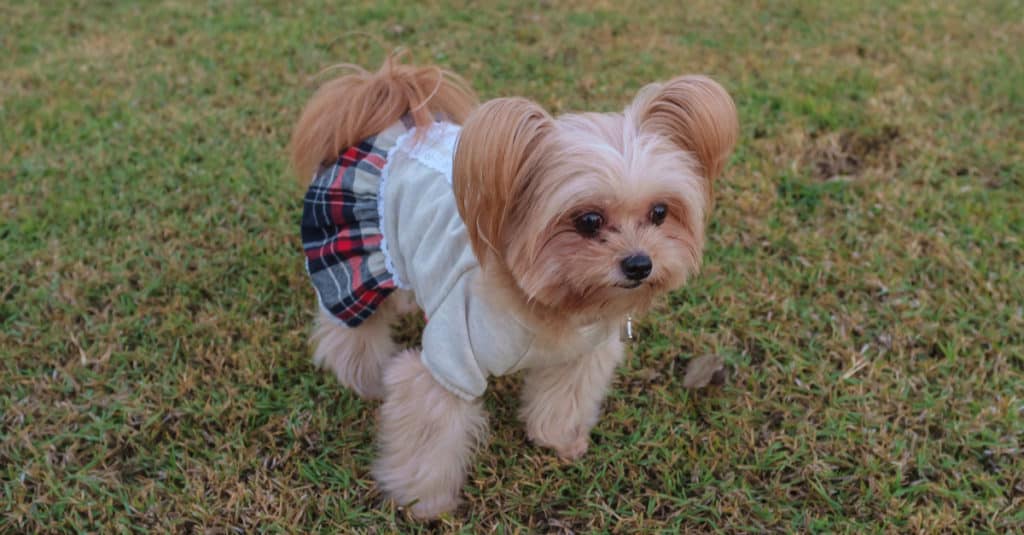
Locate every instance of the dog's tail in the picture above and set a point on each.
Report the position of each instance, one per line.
(355, 106)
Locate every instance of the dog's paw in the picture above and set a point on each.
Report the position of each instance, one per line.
(433, 507)
(568, 446)
(574, 450)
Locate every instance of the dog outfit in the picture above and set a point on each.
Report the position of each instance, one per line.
(383, 216)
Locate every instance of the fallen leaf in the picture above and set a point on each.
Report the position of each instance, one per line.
(705, 370)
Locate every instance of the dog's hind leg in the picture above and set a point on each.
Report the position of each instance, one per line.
(357, 355)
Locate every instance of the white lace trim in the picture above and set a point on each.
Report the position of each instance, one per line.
(435, 151)
(388, 263)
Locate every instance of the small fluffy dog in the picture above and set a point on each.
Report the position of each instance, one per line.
(525, 239)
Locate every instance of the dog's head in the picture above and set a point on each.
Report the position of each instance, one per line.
(595, 213)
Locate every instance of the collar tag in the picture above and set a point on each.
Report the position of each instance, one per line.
(627, 334)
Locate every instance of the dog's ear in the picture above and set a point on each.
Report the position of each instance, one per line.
(498, 154)
(696, 113)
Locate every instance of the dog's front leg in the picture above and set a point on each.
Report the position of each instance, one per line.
(427, 438)
(561, 403)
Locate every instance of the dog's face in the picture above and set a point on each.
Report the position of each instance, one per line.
(595, 214)
(614, 217)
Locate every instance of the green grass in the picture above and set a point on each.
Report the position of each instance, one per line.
(864, 278)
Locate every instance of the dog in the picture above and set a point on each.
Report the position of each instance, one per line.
(525, 239)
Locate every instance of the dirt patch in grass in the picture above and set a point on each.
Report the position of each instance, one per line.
(849, 153)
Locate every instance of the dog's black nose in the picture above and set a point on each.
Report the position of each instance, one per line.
(637, 267)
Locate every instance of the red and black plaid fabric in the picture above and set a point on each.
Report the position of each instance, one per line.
(341, 233)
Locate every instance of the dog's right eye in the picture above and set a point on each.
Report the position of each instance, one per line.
(588, 224)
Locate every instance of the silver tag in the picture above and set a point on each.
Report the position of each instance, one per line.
(626, 334)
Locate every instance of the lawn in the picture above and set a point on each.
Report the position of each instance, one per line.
(864, 278)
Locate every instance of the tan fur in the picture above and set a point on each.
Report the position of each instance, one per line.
(356, 356)
(351, 108)
(499, 153)
(520, 178)
(697, 114)
(427, 438)
(562, 402)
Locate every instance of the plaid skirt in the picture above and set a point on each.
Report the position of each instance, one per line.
(341, 231)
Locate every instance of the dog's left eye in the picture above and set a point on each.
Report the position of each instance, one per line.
(658, 213)
(588, 224)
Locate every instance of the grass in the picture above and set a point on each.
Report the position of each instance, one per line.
(863, 279)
